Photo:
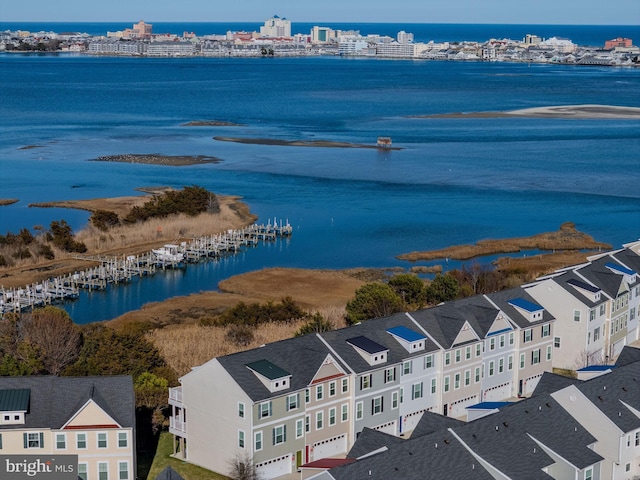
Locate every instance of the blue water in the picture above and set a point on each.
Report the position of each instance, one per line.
(454, 181)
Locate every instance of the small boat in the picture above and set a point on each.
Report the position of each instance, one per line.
(168, 254)
(384, 142)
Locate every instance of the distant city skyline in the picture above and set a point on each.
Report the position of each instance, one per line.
(559, 12)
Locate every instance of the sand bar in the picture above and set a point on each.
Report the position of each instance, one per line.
(561, 111)
(158, 159)
(566, 238)
(8, 201)
(211, 123)
(299, 143)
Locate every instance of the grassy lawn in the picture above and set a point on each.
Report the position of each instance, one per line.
(186, 470)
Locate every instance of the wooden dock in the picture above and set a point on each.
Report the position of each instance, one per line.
(116, 270)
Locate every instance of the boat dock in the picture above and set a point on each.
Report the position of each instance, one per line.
(116, 270)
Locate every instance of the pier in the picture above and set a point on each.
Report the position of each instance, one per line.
(117, 270)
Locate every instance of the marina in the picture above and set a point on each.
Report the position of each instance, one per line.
(118, 270)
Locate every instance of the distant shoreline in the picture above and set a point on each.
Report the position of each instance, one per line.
(560, 111)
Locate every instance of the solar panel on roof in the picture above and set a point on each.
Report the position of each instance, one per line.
(620, 268)
(14, 400)
(583, 285)
(268, 369)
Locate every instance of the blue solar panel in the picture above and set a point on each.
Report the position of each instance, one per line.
(525, 304)
(369, 346)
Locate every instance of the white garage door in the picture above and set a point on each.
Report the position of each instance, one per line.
(531, 383)
(390, 428)
(497, 393)
(632, 336)
(410, 421)
(458, 409)
(275, 467)
(330, 448)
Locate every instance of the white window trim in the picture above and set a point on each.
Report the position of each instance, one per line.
(106, 436)
(124, 462)
(63, 435)
(255, 441)
(126, 436)
(86, 441)
(107, 471)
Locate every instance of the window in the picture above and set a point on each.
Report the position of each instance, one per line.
(637, 439)
(123, 440)
(123, 471)
(319, 420)
(467, 353)
(416, 391)
(359, 411)
(446, 383)
(61, 441)
(478, 350)
(376, 406)
(467, 377)
(103, 471)
(293, 401)
(510, 362)
(102, 440)
(264, 410)
(401, 394)
(535, 356)
(240, 409)
(501, 365)
(344, 415)
(332, 416)
(528, 335)
(491, 368)
(365, 382)
(447, 358)
(307, 395)
(588, 474)
(33, 440)
(602, 309)
(458, 355)
(434, 384)
(492, 344)
(394, 400)
(240, 439)
(511, 338)
(82, 471)
(307, 423)
(522, 359)
(456, 381)
(428, 361)
(345, 385)
(596, 334)
(319, 392)
(632, 313)
(476, 375)
(389, 375)
(81, 440)
(548, 352)
(592, 315)
(299, 428)
(407, 368)
(546, 330)
(502, 338)
(556, 342)
(332, 389)
(576, 315)
(257, 441)
(280, 434)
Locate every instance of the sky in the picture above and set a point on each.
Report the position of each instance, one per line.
(560, 12)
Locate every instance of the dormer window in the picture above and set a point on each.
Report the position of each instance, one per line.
(14, 404)
(629, 275)
(271, 376)
(531, 311)
(411, 340)
(372, 352)
(586, 289)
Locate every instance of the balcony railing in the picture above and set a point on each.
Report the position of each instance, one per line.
(175, 394)
(177, 426)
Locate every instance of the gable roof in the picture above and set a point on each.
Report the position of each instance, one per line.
(302, 357)
(628, 355)
(551, 382)
(432, 422)
(504, 301)
(54, 400)
(370, 440)
(600, 275)
(168, 474)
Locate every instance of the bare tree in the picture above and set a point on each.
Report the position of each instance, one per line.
(53, 332)
(587, 358)
(243, 467)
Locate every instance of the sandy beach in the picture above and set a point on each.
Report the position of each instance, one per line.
(561, 111)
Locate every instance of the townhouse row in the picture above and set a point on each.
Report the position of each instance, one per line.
(292, 402)
(568, 429)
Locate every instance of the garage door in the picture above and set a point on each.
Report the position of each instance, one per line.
(275, 467)
(531, 383)
(410, 421)
(458, 408)
(632, 336)
(497, 393)
(389, 428)
(331, 447)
